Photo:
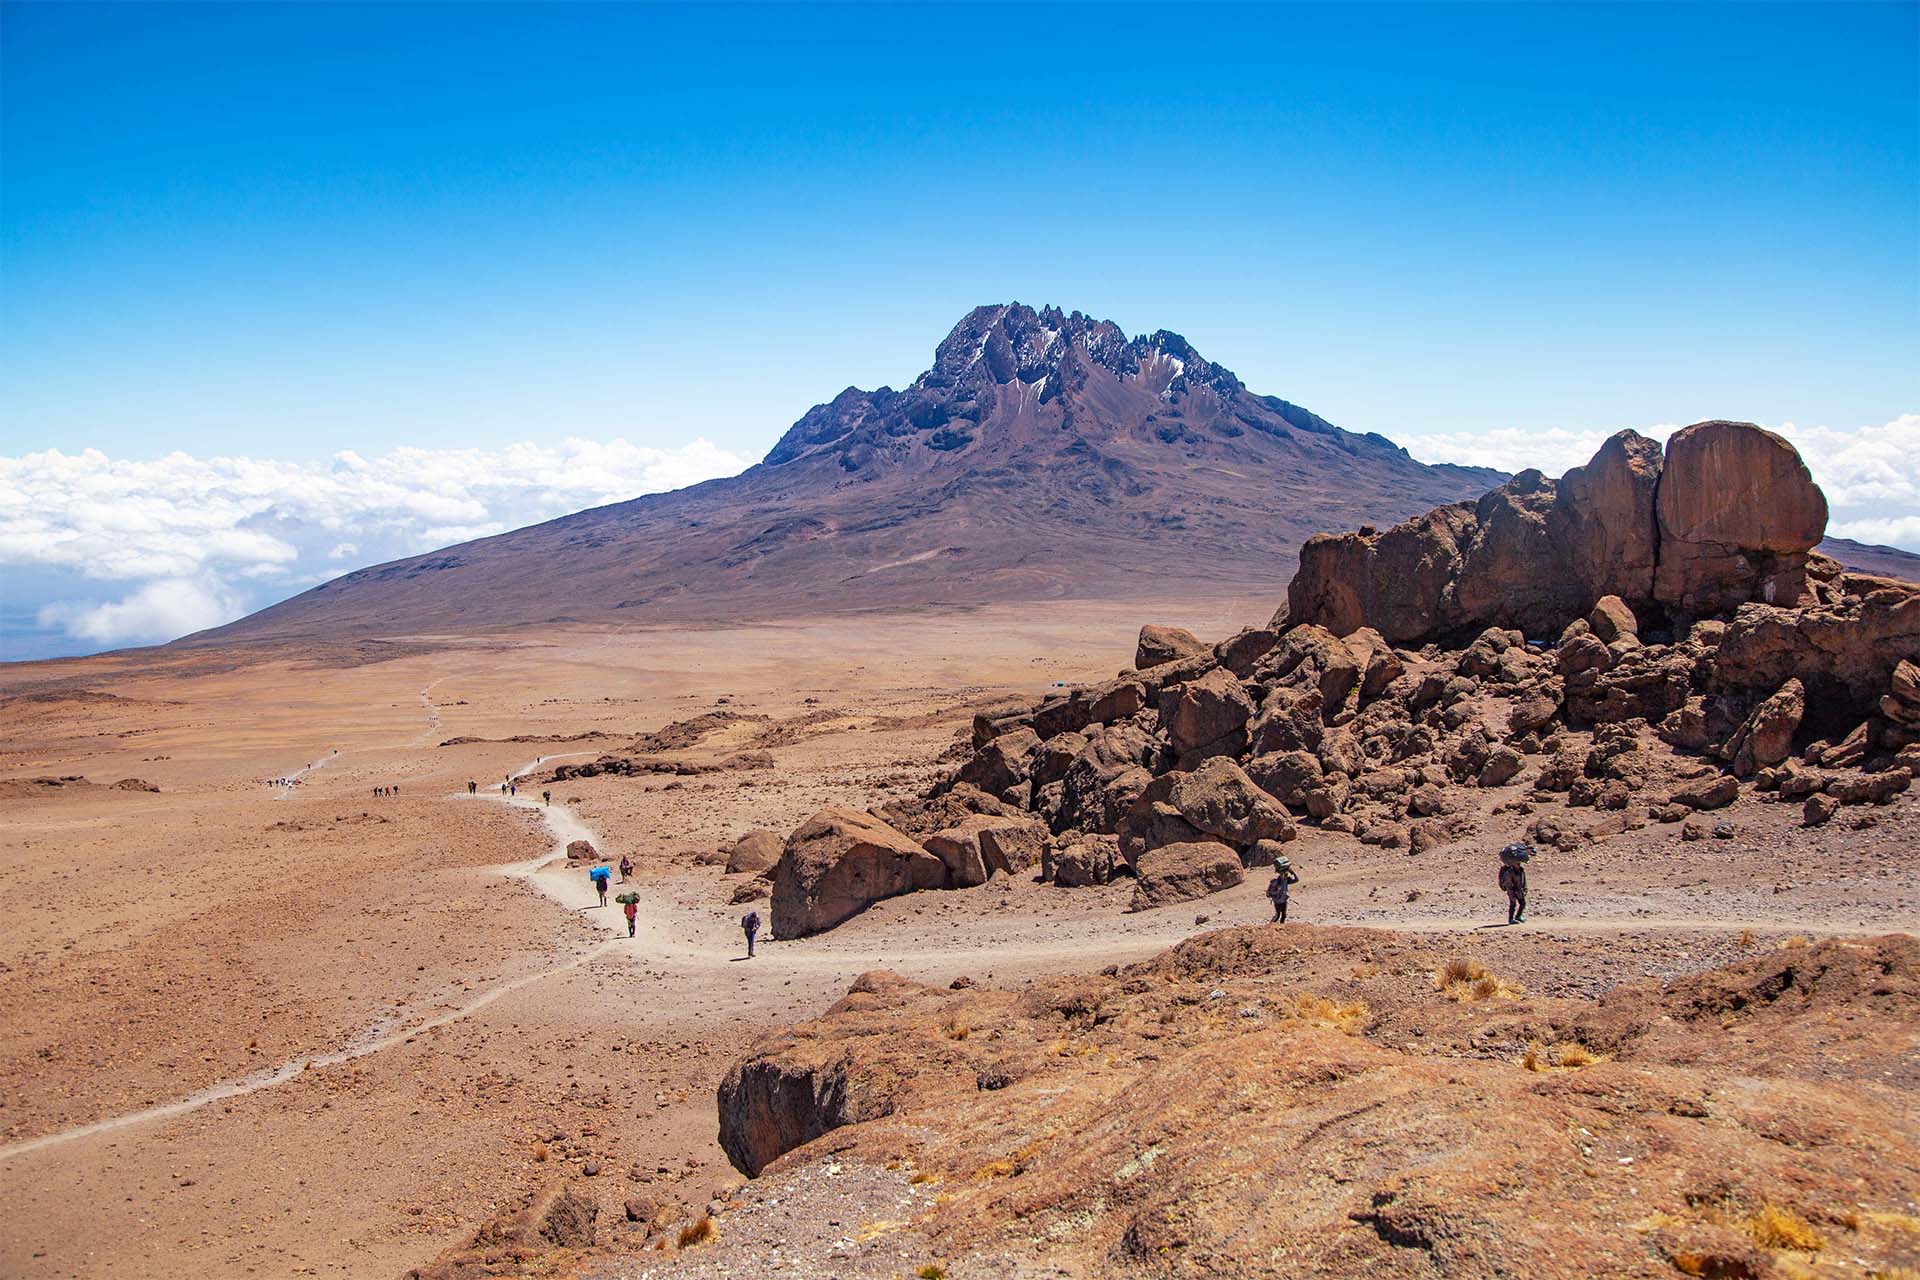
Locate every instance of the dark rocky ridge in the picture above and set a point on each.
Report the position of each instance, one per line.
(1043, 455)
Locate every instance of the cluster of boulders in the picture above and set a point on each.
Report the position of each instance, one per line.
(1644, 631)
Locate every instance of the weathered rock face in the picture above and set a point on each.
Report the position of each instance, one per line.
(756, 852)
(1160, 645)
(980, 846)
(1729, 516)
(1738, 514)
(839, 861)
(1181, 872)
(1220, 800)
(1207, 710)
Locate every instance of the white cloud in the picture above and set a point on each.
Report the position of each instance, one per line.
(1871, 475)
(159, 610)
(197, 541)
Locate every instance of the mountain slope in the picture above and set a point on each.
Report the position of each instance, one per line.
(1043, 455)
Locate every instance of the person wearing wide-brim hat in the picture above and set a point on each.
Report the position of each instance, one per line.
(1283, 879)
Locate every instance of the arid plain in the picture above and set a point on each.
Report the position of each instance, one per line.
(253, 1029)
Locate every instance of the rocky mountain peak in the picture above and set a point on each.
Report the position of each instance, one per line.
(1010, 342)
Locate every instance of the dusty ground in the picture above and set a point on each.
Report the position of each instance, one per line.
(167, 953)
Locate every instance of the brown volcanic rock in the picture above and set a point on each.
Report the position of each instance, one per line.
(1738, 514)
(981, 845)
(1220, 799)
(1301, 1101)
(1181, 872)
(839, 861)
(756, 852)
(1159, 645)
(1728, 517)
(1043, 454)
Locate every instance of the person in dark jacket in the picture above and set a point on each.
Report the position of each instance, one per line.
(1283, 880)
(750, 925)
(1513, 878)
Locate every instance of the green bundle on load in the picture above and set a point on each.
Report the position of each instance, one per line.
(629, 896)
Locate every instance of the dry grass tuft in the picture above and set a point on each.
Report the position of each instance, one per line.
(993, 1169)
(1773, 1227)
(697, 1232)
(958, 1030)
(1565, 1057)
(920, 1179)
(539, 1151)
(1794, 943)
(1470, 980)
(1348, 1018)
(932, 1271)
(1575, 1056)
(1746, 937)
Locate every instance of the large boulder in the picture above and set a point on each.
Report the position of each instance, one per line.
(1844, 654)
(1220, 800)
(1206, 710)
(755, 852)
(1766, 737)
(1101, 782)
(1159, 645)
(1181, 872)
(1729, 515)
(837, 862)
(979, 846)
(1738, 514)
(1004, 762)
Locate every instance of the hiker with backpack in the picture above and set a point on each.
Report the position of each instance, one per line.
(1513, 880)
(1283, 880)
(626, 868)
(601, 878)
(750, 925)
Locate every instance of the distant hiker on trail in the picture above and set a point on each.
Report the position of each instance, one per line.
(546, 797)
(513, 788)
(626, 868)
(630, 905)
(472, 786)
(601, 877)
(1513, 879)
(750, 925)
(1283, 880)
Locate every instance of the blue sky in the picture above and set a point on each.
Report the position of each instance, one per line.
(280, 232)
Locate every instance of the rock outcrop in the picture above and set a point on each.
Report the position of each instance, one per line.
(1603, 641)
(839, 862)
(1728, 516)
(1309, 1102)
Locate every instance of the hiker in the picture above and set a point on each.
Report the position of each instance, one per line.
(472, 786)
(626, 868)
(513, 788)
(546, 797)
(631, 905)
(1513, 879)
(1283, 879)
(601, 876)
(750, 925)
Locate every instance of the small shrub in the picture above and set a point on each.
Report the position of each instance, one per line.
(1746, 937)
(1471, 980)
(958, 1031)
(1533, 1059)
(920, 1179)
(932, 1271)
(539, 1151)
(1575, 1056)
(696, 1232)
(1795, 943)
(993, 1169)
(1773, 1227)
(1342, 1017)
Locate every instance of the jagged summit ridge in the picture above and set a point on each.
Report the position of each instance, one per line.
(1068, 370)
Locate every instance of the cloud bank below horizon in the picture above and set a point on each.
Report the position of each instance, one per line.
(98, 552)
